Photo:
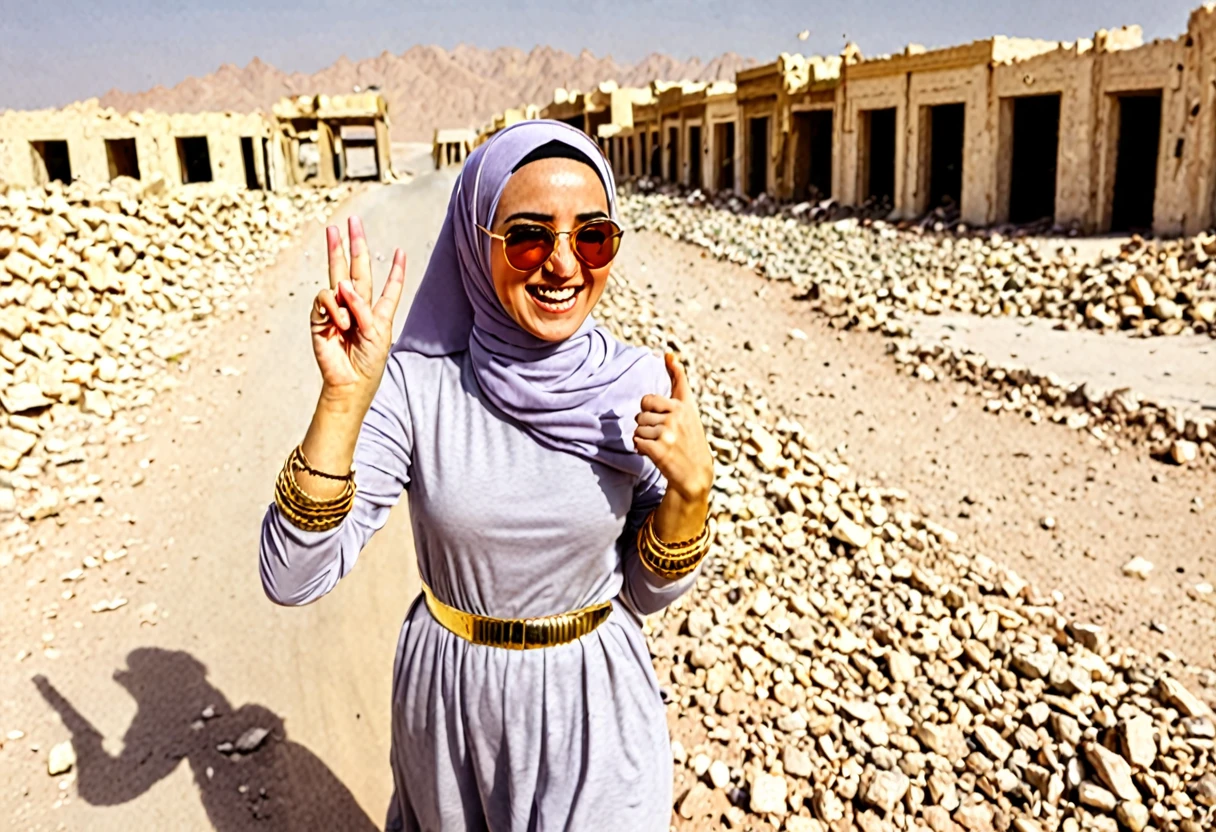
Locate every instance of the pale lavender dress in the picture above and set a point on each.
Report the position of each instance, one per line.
(572, 737)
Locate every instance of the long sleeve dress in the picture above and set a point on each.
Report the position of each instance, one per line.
(570, 737)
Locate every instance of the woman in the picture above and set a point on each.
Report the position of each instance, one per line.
(549, 468)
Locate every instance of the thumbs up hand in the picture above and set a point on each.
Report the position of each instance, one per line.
(670, 433)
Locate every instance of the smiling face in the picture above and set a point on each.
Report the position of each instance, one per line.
(550, 302)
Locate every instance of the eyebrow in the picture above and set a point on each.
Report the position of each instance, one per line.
(534, 217)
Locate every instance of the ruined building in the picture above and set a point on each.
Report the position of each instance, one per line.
(451, 145)
(308, 139)
(1106, 134)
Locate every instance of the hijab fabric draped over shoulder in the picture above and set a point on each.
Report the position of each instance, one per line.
(581, 395)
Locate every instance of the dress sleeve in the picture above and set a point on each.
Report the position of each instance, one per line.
(644, 591)
(297, 566)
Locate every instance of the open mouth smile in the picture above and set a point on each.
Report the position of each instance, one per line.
(553, 299)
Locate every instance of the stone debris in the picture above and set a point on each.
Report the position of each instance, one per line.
(251, 739)
(870, 275)
(102, 290)
(61, 758)
(1138, 567)
(108, 604)
(843, 664)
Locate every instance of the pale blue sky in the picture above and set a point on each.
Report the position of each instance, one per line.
(56, 51)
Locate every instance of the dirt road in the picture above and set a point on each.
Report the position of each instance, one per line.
(318, 676)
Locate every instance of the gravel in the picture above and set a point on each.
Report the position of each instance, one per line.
(835, 629)
(872, 275)
(102, 291)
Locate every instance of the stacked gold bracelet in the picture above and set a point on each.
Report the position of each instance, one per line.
(671, 560)
(304, 511)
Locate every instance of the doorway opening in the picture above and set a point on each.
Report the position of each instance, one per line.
(813, 155)
(122, 157)
(724, 153)
(247, 160)
(944, 139)
(194, 159)
(878, 154)
(757, 164)
(51, 161)
(694, 156)
(1036, 145)
(673, 154)
(1139, 140)
(656, 160)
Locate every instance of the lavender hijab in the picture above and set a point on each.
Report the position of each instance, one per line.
(580, 395)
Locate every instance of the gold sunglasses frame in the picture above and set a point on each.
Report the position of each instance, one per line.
(557, 235)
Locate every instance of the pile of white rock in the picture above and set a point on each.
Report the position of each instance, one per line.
(102, 289)
(869, 275)
(866, 269)
(842, 665)
(1115, 418)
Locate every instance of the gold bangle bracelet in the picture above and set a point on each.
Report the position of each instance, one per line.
(666, 561)
(303, 510)
(692, 546)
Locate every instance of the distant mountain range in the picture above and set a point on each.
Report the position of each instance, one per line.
(426, 86)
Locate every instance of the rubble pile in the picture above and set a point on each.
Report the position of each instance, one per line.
(842, 664)
(867, 271)
(815, 210)
(869, 276)
(102, 289)
(1115, 418)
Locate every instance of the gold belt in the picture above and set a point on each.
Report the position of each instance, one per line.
(518, 633)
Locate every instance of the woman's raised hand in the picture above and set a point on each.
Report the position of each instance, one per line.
(351, 336)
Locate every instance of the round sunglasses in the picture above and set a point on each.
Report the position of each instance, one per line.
(528, 246)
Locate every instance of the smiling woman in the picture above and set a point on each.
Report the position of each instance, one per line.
(545, 195)
(558, 483)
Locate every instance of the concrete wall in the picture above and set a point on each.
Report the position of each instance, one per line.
(966, 86)
(1154, 66)
(1198, 97)
(722, 110)
(1067, 72)
(988, 77)
(85, 127)
(854, 98)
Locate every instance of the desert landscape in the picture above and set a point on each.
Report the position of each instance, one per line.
(962, 414)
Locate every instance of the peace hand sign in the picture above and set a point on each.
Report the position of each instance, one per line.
(351, 336)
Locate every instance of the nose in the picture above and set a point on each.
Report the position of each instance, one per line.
(562, 262)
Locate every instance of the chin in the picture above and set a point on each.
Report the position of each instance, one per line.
(554, 331)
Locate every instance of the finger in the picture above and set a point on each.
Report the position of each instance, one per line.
(360, 259)
(338, 270)
(651, 419)
(360, 308)
(657, 404)
(335, 314)
(390, 295)
(679, 381)
(649, 448)
(662, 434)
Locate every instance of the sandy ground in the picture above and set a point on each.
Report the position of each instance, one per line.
(992, 478)
(318, 677)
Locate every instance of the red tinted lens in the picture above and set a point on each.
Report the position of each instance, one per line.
(596, 243)
(527, 247)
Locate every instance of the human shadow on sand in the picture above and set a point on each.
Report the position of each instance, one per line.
(277, 785)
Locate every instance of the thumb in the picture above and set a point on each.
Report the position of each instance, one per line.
(679, 381)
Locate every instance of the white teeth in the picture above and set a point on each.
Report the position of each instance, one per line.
(555, 295)
(555, 300)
